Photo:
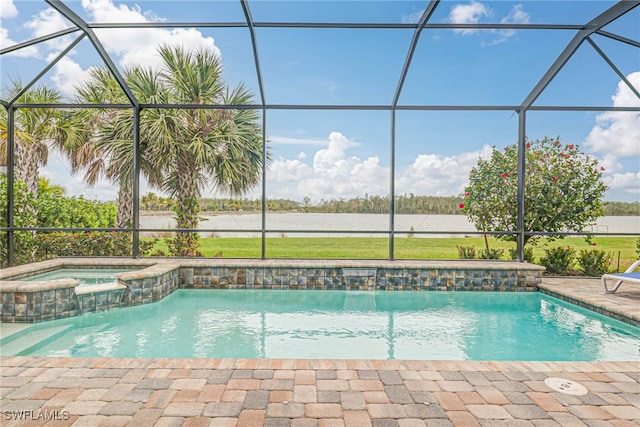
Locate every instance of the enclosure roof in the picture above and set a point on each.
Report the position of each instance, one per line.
(414, 39)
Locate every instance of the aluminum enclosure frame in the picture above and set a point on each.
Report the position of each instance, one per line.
(582, 34)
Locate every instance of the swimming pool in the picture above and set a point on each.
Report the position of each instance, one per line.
(84, 276)
(338, 324)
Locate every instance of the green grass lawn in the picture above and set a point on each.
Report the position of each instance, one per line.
(407, 248)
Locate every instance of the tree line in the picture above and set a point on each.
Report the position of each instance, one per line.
(404, 204)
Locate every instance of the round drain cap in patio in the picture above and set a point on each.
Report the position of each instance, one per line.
(566, 386)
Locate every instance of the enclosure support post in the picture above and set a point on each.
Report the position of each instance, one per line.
(10, 198)
(254, 45)
(521, 180)
(136, 182)
(263, 227)
(392, 185)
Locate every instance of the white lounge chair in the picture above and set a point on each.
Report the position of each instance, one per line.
(630, 275)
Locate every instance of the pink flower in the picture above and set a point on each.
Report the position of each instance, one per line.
(595, 171)
(556, 143)
(601, 168)
(571, 146)
(555, 179)
(461, 205)
(505, 175)
(528, 145)
(467, 194)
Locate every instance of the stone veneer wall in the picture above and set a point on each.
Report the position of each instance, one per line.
(27, 307)
(387, 279)
(149, 289)
(100, 300)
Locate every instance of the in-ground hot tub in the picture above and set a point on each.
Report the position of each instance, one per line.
(67, 287)
(84, 276)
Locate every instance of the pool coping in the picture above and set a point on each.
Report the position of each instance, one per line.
(587, 292)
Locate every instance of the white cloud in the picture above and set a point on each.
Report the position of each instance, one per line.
(412, 18)
(139, 46)
(615, 136)
(628, 182)
(516, 16)
(58, 172)
(296, 141)
(334, 173)
(468, 14)
(67, 74)
(616, 133)
(610, 164)
(8, 11)
(438, 175)
(49, 21)
(473, 13)
(287, 171)
(328, 158)
(25, 52)
(128, 47)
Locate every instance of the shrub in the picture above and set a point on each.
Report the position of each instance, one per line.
(528, 254)
(466, 252)
(491, 253)
(94, 243)
(564, 189)
(594, 262)
(558, 260)
(24, 216)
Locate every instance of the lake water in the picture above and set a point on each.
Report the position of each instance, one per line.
(249, 224)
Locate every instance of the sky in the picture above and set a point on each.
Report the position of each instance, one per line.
(331, 154)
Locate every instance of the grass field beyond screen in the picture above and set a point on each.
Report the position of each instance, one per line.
(405, 248)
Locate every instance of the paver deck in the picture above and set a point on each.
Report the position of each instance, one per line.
(296, 392)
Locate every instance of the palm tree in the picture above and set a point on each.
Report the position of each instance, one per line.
(37, 131)
(182, 150)
(218, 147)
(108, 149)
(47, 187)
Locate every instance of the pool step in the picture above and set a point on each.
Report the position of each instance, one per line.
(16, 345)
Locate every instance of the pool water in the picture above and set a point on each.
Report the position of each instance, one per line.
(339, 324)
(84, 276)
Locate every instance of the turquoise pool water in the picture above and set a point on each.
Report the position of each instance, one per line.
(84, 276)
(338, 324)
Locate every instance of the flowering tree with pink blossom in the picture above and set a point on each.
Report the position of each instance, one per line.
(563, 190)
